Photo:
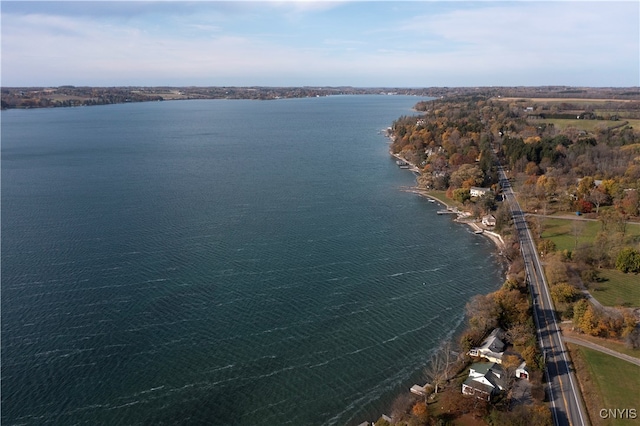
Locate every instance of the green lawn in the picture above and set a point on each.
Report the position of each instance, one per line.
(442, 196)
(616, 381)
(563, 232)
(587, 125)
(617, 288)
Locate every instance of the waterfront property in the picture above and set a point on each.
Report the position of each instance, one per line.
(475, 191)
(492, 348)
(489, 220)
(486, 379)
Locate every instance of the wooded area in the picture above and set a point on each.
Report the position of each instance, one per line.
(585, 173)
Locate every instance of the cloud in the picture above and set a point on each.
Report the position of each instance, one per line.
(550, 38)
(283, 44)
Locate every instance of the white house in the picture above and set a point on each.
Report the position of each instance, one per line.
(489, 220)
(485, 380)
(492, 348)
(475, 191)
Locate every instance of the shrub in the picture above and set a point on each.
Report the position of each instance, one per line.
(628, 260)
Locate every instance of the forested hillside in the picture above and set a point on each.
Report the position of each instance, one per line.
(577, 155)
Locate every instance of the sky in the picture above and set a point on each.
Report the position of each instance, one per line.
(320, 43)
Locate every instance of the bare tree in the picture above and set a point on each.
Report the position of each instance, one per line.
(597, 197)
(440, 366)
(576, 229)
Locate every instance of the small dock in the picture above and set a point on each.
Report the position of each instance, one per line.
(425, 390)
(446, 212)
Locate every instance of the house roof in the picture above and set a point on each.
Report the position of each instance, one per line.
(493, 342)
(482, 367)
(477, 188)
(492, 347)
(487, 373)
(479, 386)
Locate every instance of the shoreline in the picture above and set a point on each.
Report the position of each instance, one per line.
(493, 236)
(476, 227)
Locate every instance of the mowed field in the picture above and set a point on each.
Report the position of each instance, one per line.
(587, 125)
(607, 382)
(602, 107)
(568, 234)
(615, 287)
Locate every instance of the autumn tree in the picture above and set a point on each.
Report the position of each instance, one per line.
(628, 260)
(631, 203)
(546, 246)
(586, 318)
(481, 311)
(564, 293)
(420, 412)
(461, 195)
(520, 335)
(466, 176)
(512, 307)
(585, 186)
(510, 364)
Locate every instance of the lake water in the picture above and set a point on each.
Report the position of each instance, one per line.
(221, 262)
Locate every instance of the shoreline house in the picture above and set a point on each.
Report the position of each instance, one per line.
(492, 348)
(486, 379)
(489, 220)
(475, 191)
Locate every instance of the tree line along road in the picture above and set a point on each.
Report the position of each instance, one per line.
(564, 395)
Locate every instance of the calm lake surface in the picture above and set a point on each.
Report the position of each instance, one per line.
(221, 262)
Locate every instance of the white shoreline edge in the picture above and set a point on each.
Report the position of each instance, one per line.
(493, 236)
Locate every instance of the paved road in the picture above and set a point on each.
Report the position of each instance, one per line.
(564, 394)
(602, 349)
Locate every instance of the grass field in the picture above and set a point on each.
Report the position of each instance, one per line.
(563, 232)
(587, 125)
(615, 380)
(442, 196)
(617, 288)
